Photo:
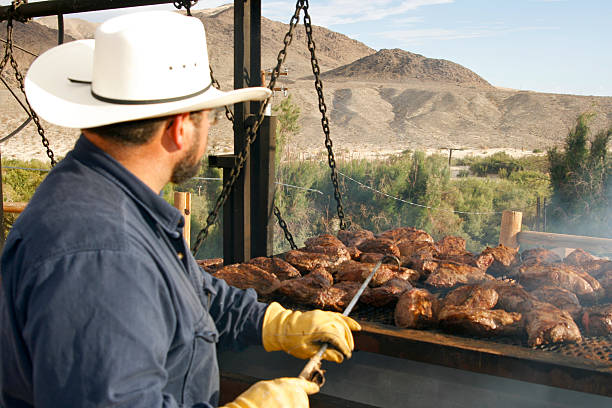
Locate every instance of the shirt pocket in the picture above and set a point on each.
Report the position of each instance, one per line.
(202, 376)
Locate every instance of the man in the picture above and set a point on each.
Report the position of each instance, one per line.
(102, 303)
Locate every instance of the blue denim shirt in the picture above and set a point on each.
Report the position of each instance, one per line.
(102, 303)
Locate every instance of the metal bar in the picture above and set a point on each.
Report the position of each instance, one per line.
(1, 209)
(565, 241)
(503, 360)
(54, 7)
(263, 152)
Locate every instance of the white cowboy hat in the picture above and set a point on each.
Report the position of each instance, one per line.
(140, 65)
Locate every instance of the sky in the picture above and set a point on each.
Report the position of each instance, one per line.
(559, 46)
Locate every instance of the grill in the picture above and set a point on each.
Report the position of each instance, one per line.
(585, 366)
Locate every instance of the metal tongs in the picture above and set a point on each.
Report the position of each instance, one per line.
(312, 370)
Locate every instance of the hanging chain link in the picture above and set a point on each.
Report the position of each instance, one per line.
(284, 227)
(185, 3)
(323, 109)
(8, 56)
(250, 138)
(228, 113)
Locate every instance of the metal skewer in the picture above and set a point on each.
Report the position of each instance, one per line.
(312, 370)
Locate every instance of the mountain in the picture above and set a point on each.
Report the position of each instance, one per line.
(75, 27)
(382, 101)
(398, 65)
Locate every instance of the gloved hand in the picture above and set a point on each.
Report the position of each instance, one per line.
(278, 393)
(301, 334)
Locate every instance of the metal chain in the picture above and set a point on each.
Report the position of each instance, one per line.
(9, 55)
(323, 109)
(185, 3)
(228, 113)
(284, 227)
(251, 135)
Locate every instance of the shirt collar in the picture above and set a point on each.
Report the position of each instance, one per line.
(160, 210)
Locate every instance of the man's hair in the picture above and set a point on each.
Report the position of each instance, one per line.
(137, 132)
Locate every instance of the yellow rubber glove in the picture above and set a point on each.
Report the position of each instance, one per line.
(278, 393)
(301, 334)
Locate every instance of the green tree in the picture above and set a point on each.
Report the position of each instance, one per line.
(581, 179)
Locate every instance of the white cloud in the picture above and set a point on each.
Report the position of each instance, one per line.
(335, 12)
(418, 35)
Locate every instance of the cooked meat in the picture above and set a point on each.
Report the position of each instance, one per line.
(562, 275)
(245, 276)
(597, 267)
(308, 288)
(372, 257)
(448, 275)
(283, 270)
(354, 253)
(338, 296)
(538, 256)
(512, 296)
(210, 265)
(578, 257)
(380, 245)
(547, 324)
(308, 261)
(354, 238)
(408, 248)
(451, 246)
(415, 309)
(479, 322)
(559, 297)
(387, 293)
(424, 258)
(323, 240)
(597, 320)
(359, 271)
(504, 258)
(474, 296)
(468, 258)
(406, 234)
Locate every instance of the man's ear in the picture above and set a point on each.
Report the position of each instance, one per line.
(175, 134)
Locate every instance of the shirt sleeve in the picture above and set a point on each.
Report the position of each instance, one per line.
(236, 312)
(98, 326)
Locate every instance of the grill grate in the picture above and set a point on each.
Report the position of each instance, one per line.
(592, 348)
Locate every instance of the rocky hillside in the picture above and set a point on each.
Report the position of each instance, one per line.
(399, 65)
(378, 102)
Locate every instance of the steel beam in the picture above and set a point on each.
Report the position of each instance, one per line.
(55, 7)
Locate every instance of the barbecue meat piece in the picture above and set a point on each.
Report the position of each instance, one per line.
(308, 288)
(597, 320)
(479, 322)
(547, 324)
(474, 296)
(358, 272)
(408, 248)
(380, 245)
(373, 257)
(416, 309)
(210, 265)
(326, 240)
(424, 258)
(578, 257)
(538, 256)
(481, 261)
(354, 238)
(310, 258)
(448, 275)
(338, 296)
(450, 245)
(562, 275)
(246, 276)
(512, 296)
(354, 253)
(504, 259)
(387, 293)
(559, 297)
(406, 234)
(283, 270)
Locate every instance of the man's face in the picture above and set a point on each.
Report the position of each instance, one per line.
(190, 164)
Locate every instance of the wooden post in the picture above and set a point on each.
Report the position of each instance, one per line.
(182, 202)
(510, 227)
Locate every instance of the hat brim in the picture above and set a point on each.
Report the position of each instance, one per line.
(58, 100)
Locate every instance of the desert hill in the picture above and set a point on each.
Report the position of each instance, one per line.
(398, 65)
(378, 102)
